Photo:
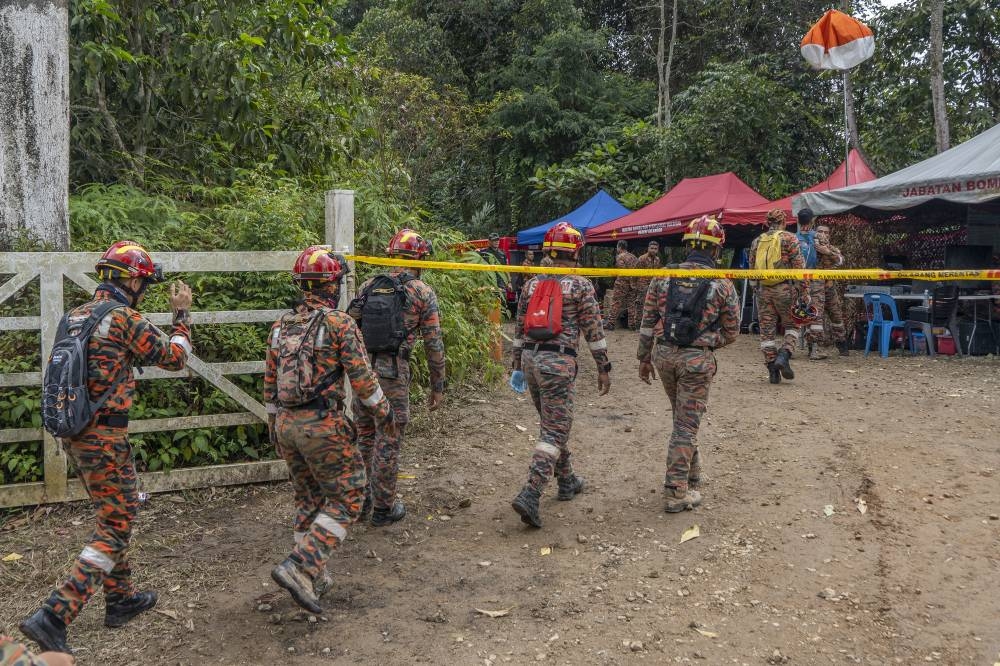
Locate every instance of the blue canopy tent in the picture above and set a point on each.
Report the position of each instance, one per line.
(600, 208)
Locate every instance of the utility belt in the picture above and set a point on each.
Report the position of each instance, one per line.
(112, 420)
(663, 342)
(560, 349)
(321, 402)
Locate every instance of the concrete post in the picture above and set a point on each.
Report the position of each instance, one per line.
(340, 236)
(34, 121)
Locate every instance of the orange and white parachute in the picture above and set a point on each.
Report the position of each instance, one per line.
(838, 41)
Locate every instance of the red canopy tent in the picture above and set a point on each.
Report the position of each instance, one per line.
(857, 170)
(690, 198)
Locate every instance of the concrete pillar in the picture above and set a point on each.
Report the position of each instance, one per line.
(34, 121)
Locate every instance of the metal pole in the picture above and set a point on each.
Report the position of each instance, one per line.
(847, 138)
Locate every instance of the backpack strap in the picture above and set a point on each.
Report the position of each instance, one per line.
(102, 310)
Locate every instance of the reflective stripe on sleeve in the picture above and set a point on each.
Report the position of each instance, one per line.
(330, 525)
(768, 344)
(375, 398)
(299, 536)
(518, 343)
(599, 345)
(550, 450)
(816, 327)
(794, 332)
(91, 555)
(274, 336)
(181, 341)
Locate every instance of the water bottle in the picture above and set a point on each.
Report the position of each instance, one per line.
(927, 298)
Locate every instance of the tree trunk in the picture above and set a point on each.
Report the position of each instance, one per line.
(661, 63)
(670, 62)
(941, 133)
(34, 131)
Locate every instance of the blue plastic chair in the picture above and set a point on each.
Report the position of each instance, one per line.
(875, 304)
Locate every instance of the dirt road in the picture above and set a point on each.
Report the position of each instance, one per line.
(772, 578)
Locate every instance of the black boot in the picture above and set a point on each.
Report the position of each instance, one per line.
(569, 488)
(526, 505)
(289, 576)
(844, 348)
(366, 508)
(773, 375)
(118, 613)
(782, 363)
(382, 517)
(47, 630)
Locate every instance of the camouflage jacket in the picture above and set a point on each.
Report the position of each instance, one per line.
(13, 653)
(625, 260)
(422, 316)
(122, 340)
(645, 261)
(339, 350)
(720, 319)
(580, 314)
(828, 256)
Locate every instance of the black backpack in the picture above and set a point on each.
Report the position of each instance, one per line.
(66, 405)
(686, 299)
(382, 324)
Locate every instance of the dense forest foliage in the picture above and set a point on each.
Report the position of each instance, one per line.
(214, 124)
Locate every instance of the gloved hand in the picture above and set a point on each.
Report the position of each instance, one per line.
(518, 382)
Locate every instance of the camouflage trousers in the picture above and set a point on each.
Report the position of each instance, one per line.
(686, 374)
(814, 330)
(774, 306)
(623, 299)
(551, 378)
(381, 453)
(104, 462)
(834, 310)
(328, 477)
(13, 653)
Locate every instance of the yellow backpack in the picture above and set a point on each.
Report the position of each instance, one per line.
(768, 254)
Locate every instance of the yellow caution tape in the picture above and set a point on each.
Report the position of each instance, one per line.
(730, 273)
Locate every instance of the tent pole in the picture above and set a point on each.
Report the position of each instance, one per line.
(847, 138)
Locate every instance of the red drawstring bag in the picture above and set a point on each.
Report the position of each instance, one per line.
(543, 320)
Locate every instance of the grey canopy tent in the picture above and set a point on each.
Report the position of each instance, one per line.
(966, 175)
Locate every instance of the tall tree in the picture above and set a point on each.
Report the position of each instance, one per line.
(34, 130)
(941, 134)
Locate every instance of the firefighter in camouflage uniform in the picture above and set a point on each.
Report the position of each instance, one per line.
(310, 352)
(777, 248)
(101, 451)
(651, 259)
(420, 317)
(624, 294)
(687, 319)
(550, 369)
(829, 256)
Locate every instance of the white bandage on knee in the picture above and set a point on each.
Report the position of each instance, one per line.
(330, 525)
(91, 555)
(547, 449)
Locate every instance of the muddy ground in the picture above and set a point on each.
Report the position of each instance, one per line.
(771, 579)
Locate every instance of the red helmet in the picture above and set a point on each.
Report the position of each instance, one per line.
(127, 259)
(562, 237)
(319, 263)
(408, 243)
(705, 229)
(804, 313)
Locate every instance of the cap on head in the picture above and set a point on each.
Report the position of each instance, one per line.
(494, 236)
(776, 216)
(408, 243)
(563, 237)
(705, 229)
(126, 260)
